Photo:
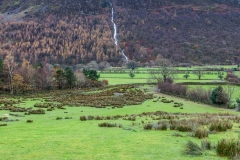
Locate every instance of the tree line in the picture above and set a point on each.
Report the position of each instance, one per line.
(23, 77)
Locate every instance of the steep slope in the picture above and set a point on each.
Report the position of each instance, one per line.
(78, 31)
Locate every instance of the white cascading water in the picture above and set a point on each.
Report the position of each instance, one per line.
(115, 34)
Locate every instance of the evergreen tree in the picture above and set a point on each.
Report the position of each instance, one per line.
(131, 74)
(69, 77)
(218, 96)
(132, 65)
(60, 77)
(91, 74)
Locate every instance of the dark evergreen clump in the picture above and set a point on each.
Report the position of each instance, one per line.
(91, 74)
(218, 96)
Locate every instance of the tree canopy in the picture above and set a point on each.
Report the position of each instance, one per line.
(91, 74)
(218, 96)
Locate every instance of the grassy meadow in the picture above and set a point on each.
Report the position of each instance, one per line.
(121, 76)
(52, 136)
(48, 138)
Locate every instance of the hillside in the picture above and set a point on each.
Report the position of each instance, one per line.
(78, 31)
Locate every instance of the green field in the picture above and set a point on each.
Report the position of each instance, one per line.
(144, 77)
(49, 139)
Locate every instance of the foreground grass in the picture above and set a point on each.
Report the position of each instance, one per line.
(48, 138)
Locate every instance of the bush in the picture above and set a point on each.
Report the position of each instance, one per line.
(184, 128)
(201, 133)
(163, 127)
(98, 118)
(199, 95)
(176, 89)
(104, 82)
(218, 96)
(106, 124)
(59, 118)
(220, 126)
(228, 148)
(192, 149)
(90, 117)
(83, 118)
(232, 78)
(29, 121)
(148, 126)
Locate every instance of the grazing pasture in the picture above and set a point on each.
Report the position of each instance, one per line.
(114, 122)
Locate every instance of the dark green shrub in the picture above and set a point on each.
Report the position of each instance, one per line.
(192, 149)
(83, 118)
(148, 126)
(163, 127)
(106, 124)
(218, 96)
(29, 121)
(3, 125)
(59, 118)
(68, 117)
(176, 105)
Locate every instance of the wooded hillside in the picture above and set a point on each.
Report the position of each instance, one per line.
(74, 31)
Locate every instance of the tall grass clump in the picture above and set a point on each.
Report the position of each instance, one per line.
(201, 133)
(192, 149)
(206, 145)
(228, 148)
(220, 126)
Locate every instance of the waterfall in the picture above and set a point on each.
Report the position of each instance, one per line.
(115, 34)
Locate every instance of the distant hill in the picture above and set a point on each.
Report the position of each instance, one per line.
(79, 31)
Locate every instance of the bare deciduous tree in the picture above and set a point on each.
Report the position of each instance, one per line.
(199, 72)
(165, 70)
(10, 68)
